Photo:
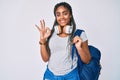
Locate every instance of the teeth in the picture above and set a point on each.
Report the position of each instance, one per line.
(62, 21)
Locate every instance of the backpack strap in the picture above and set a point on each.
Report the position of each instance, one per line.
(78, 32)
(74, 50)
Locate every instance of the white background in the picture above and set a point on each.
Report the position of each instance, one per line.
(19, 49)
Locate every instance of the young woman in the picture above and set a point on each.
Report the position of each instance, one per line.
(55, 45)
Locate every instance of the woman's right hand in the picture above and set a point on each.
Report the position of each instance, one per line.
(45, 32)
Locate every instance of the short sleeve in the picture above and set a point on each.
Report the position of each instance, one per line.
(83, 36)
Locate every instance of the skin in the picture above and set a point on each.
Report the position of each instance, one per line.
(63, 18)
(45, 32)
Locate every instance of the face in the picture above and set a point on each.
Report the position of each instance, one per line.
(63, 16)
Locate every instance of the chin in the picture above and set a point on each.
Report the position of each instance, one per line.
(63, 24)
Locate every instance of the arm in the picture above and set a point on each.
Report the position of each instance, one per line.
(45, 53)
(45, 32)
(82, 48)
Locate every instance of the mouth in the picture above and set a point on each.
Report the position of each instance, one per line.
(62, 21)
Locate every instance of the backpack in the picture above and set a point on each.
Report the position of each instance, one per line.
(90, 71)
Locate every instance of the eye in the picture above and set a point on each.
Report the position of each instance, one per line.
(57, 14)
(65, 13)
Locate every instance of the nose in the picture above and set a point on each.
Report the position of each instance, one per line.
(61, 16)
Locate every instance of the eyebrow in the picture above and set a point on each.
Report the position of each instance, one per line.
(62, 12)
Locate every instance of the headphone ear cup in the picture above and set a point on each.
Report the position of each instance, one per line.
(56, 29)
(69, 29)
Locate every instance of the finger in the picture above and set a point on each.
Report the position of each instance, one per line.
(37, 27)
(48, 29)
(41, 24)
(75, 39)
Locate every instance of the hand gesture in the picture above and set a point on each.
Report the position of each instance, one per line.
(77, 41)
(45, 32)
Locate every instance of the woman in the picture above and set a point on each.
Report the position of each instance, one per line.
(55, 45)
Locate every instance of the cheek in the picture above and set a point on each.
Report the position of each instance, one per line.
(57, 18)
(67, 17)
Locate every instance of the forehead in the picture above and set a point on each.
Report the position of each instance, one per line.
(61, 9)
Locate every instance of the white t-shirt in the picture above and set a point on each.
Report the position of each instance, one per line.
(60, 62)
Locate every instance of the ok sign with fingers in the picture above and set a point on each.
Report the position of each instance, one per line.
(45, 32)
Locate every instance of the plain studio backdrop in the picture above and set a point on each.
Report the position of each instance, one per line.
(19, 48)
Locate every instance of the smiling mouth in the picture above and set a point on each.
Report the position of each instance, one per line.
(62, 21)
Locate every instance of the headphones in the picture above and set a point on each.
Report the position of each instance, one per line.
(68, 29)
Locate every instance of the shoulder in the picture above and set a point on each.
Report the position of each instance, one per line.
(78, 32)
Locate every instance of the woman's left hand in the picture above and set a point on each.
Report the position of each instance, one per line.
(77, 41)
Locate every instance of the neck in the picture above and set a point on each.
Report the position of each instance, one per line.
(63, 35)
(62, 28)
